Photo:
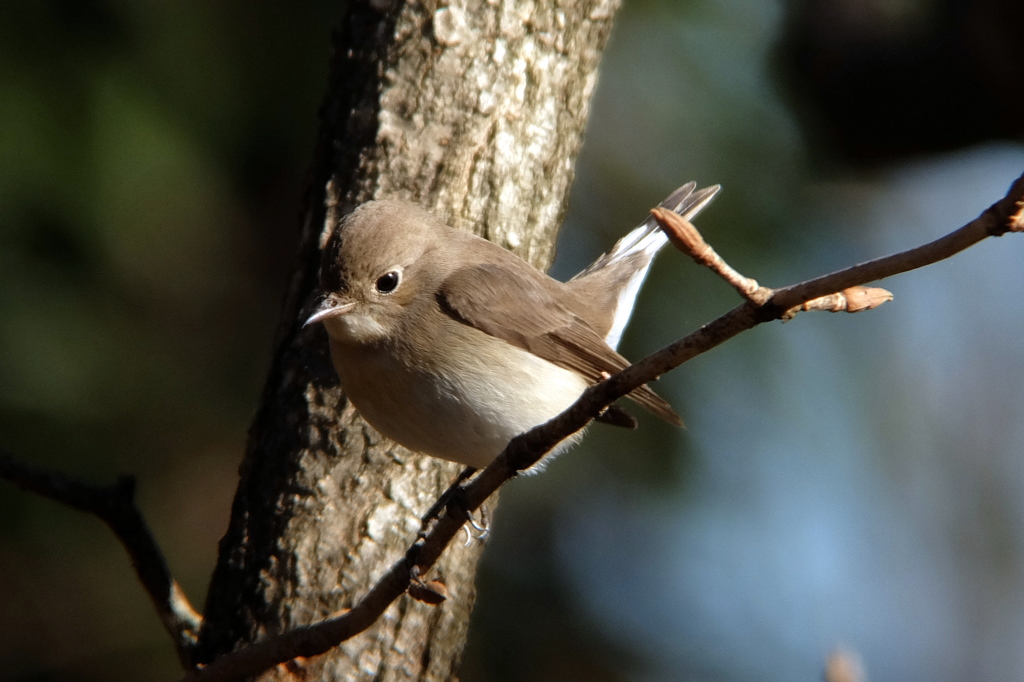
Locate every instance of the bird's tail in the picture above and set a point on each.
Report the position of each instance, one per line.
(640, 245)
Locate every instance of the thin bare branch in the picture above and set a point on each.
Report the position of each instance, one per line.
(688, 239)
(115, 506)
(527, 449)
(1002, 217)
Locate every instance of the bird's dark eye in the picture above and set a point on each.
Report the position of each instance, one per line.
(388, 282)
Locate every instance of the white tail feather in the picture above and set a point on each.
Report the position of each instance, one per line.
(647, 240)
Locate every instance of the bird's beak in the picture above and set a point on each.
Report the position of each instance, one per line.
(330, 306)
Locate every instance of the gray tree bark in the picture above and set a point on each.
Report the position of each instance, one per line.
(475, 110)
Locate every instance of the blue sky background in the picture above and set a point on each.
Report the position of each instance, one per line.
(847, 481)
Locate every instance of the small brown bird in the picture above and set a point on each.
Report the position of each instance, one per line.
(450, 345)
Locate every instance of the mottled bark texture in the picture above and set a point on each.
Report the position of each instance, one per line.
(476, 110)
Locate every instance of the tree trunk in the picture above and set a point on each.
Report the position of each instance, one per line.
(476, 111)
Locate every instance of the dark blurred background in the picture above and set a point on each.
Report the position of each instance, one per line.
(853, 481)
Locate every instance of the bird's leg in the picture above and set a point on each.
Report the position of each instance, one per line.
(447, 496)
(483, 526)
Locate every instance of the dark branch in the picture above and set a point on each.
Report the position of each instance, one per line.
(527, 449)
(115, 506)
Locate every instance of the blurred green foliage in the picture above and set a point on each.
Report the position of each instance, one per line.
(152, 157)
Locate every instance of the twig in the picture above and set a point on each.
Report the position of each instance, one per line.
(115, 506)
(685, 237)
(688, 239)
(527, 449)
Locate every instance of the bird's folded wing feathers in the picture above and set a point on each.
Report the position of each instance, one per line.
(477, 296)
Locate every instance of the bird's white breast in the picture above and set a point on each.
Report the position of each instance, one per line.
(464, 400)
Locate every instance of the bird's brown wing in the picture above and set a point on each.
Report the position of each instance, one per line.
(479, 296)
